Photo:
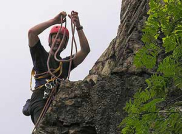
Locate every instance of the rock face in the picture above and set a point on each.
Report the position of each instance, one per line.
(95, 105)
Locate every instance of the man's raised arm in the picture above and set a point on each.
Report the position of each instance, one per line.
(36, 30)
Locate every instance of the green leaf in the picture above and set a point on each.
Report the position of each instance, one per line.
(167, 67)
(169, 43)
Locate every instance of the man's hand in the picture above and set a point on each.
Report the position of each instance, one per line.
(85, 49)
(75, 18)
(57, 19)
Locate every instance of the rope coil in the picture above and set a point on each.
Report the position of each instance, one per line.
(62, 41)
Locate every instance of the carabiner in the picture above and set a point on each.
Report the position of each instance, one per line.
(48, 85)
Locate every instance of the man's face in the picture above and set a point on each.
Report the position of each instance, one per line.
(57, 42)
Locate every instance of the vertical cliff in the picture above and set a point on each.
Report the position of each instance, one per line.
(95, 105)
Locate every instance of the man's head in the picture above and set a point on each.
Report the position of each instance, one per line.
(52, 37)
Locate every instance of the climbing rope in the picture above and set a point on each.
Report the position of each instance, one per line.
(73, 41)
(44, 75)
(62, 41)
(48, 102)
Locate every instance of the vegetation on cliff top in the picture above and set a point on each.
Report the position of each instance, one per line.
(153, 110)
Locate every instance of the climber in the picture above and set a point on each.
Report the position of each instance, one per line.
(40, 56)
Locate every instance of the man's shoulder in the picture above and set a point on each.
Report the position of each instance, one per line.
(38, 47)
(38, 44)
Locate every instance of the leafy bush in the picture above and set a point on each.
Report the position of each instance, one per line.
(145, 116)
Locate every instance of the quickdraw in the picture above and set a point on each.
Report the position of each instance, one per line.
(53, 84)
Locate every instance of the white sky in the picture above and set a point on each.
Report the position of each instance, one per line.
(100, 19)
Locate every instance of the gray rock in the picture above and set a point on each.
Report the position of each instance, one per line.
(95, 105)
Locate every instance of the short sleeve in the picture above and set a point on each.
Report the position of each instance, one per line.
(66, 66)
(39, 56)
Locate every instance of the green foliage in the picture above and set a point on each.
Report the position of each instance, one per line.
(145, 116)
(168, 67)
(157, 84)
(169, 43)
(147, 56)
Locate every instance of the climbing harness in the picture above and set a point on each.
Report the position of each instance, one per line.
(52, 85)
(44, 75)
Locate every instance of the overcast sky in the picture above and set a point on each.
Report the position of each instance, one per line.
(100, 20)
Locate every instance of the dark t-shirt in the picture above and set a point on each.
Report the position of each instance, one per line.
(39, 58)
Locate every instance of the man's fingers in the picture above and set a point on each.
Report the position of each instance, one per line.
(74, 12)
(63, 14)
(74, 15)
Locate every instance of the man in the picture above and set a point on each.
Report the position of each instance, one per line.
(40, 56)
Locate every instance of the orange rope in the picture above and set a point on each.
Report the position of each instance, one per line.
(43, 112)
(62, 41)
(73, 41)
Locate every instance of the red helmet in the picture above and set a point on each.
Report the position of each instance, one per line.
(55, 29)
